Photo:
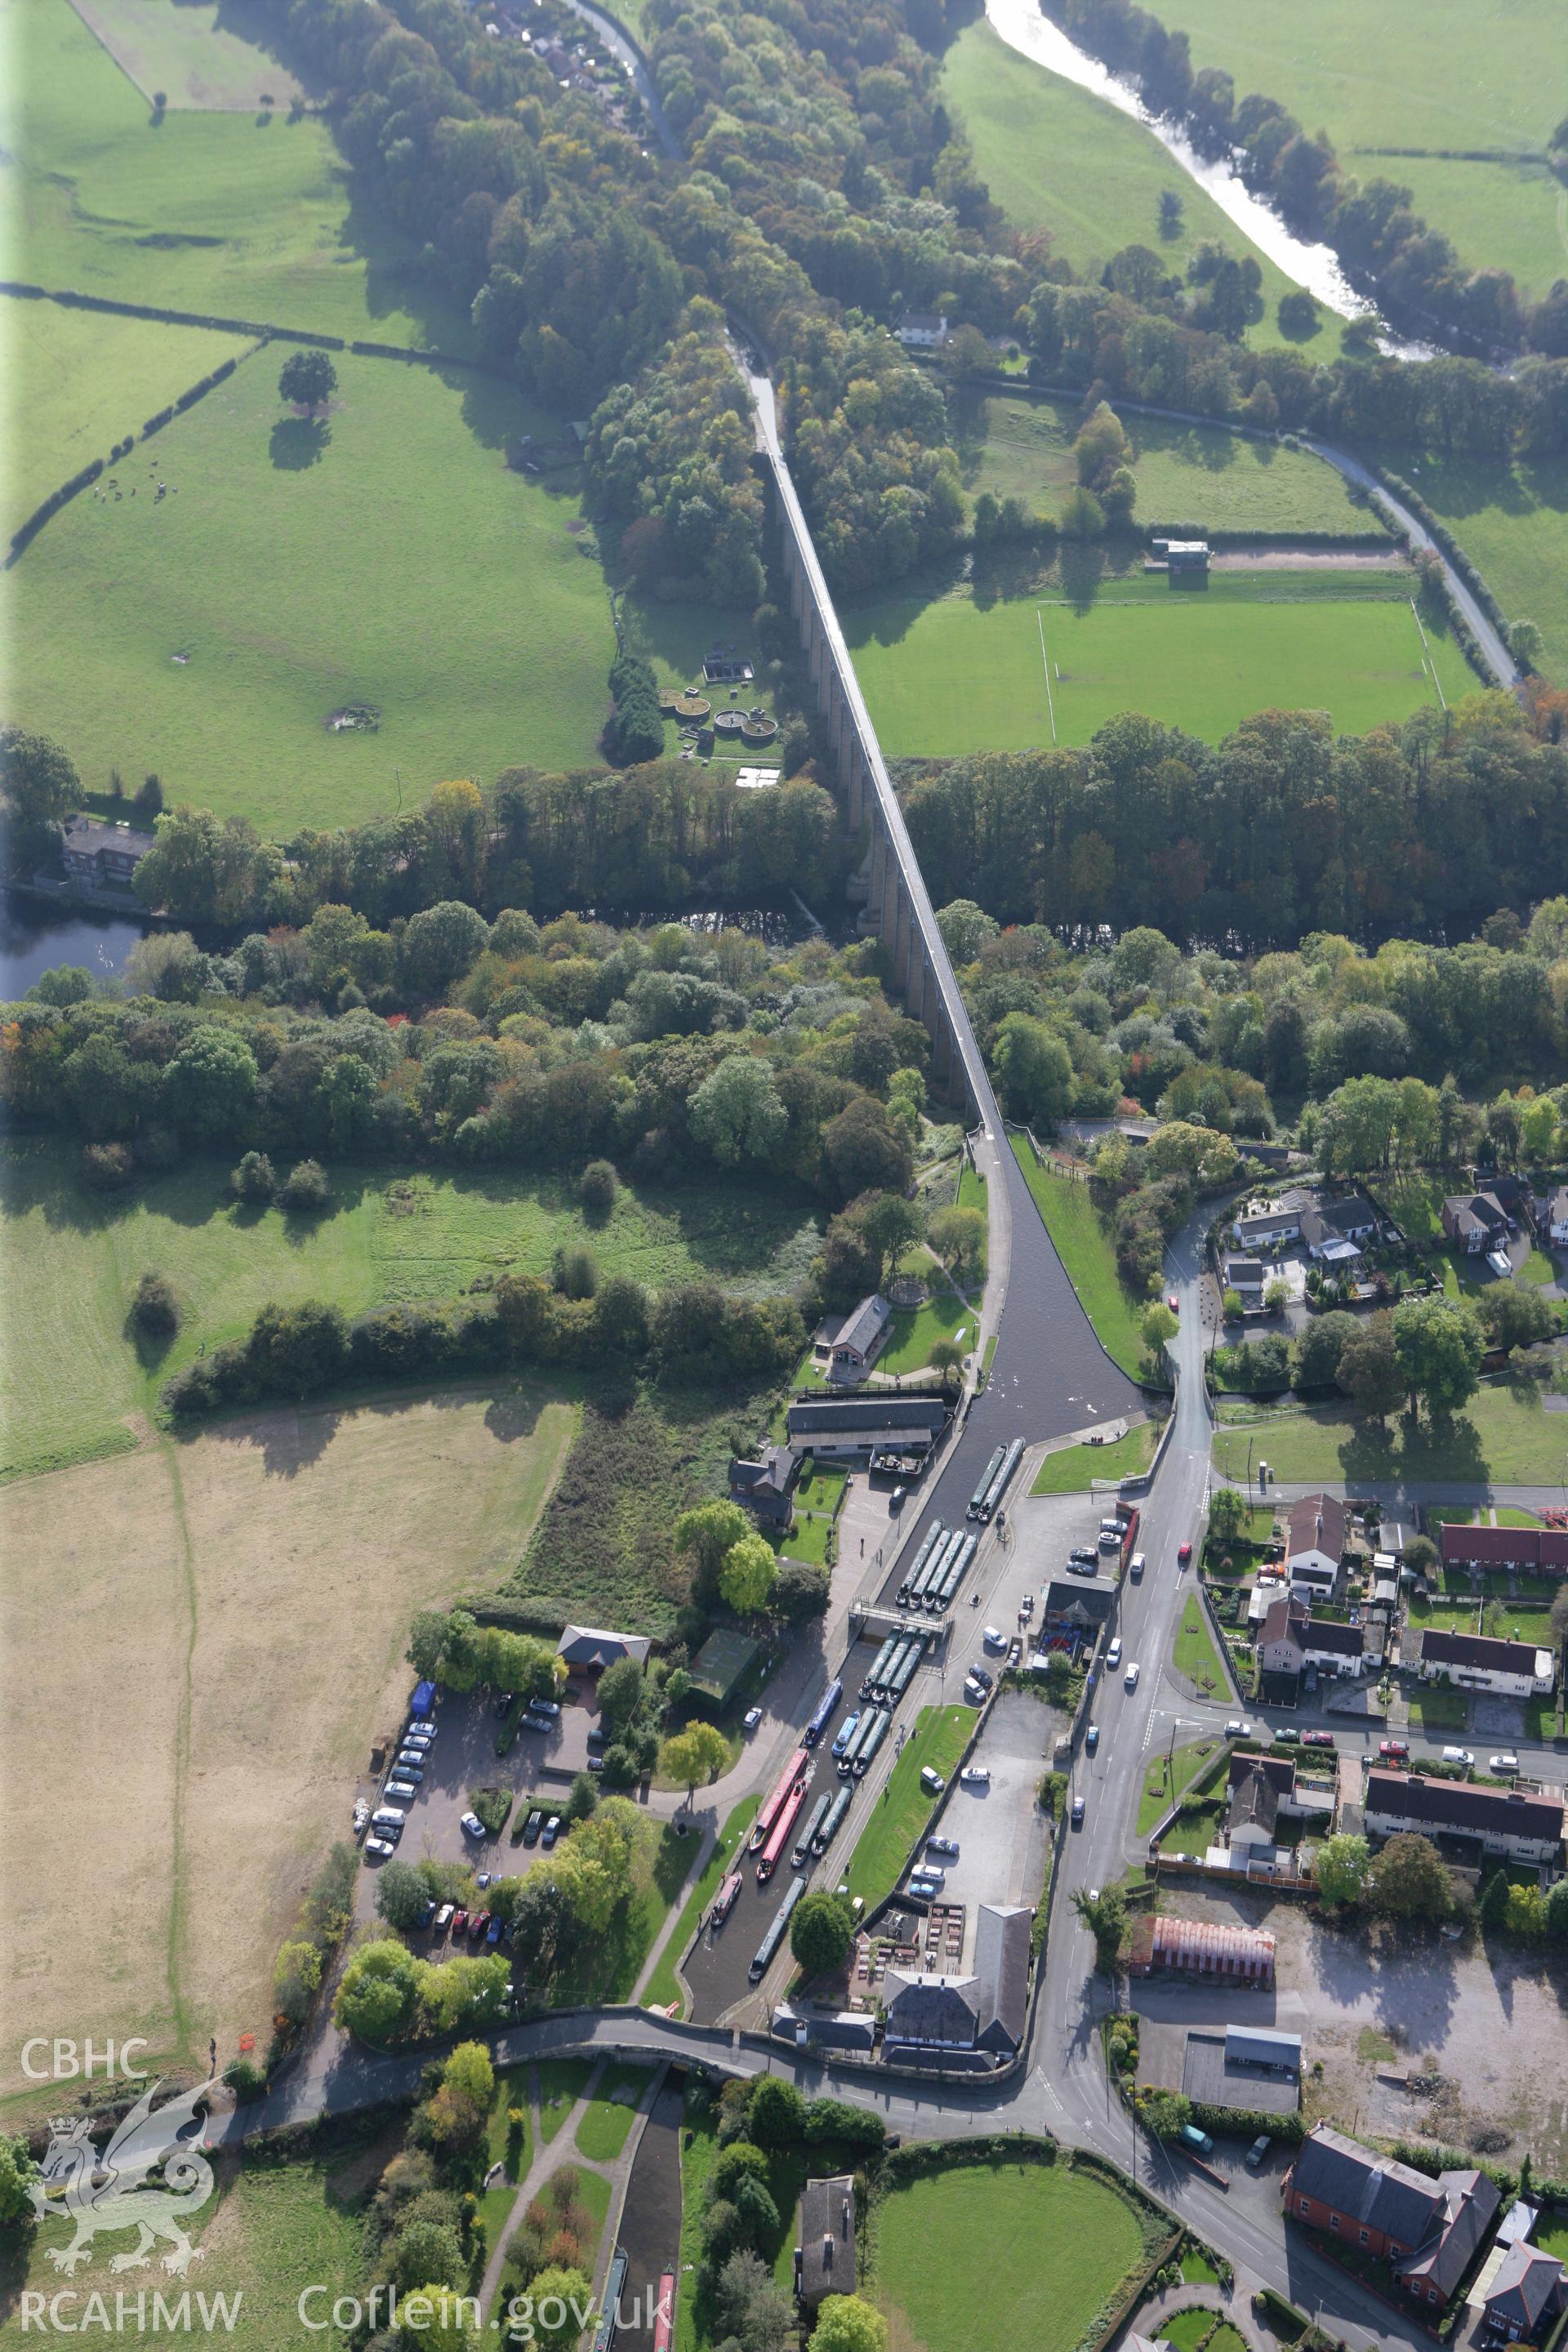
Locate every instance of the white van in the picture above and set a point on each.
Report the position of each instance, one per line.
(1136, 1566)
(387, 1817)
(1113, 1655)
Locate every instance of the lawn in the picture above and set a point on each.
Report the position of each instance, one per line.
(605, 2121)
(189, 55)
(1202, 661)
(662, 1988)
(1020, 446)
(385, 557)
(609, 1973)
(243, 1599)
(239, 214)
(946, 1315)
(902, 1812)
(83, 380)
(1160, 1784)
(72, 1385)
(1436, 1708)
(1076, 1467)
(1502, 1435)
(987, 2257)
(562, 2082)
(1194, 1655)
(500, 2148)
(1084, 1246)
(1058, 158)
(1427, 75)
(1513, 522)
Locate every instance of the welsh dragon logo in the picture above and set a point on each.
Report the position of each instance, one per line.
(149, 2179)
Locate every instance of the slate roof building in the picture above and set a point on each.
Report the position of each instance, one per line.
(1430, 2230)
(824, 2256)
(1528, 2294)
(847, 1344)
(1477, 1661)
(1504, 1822)
(865, 1423)
(986, 2010)
(591, 1646)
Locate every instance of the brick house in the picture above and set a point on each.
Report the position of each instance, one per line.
(1528, 2294)
(1429, 2230)
(1476, 1662)
(1507, 1822)
(1475, 1223)
(100, 853)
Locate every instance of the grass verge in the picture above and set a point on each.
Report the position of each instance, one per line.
(904, 1808)
(661, 1987)
(1074, 1468)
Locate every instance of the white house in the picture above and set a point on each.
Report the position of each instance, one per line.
(922, 331)
(1503, 1821)
(1557, 1218)
(1336, 1232)
(1315, 1544)
(1476, 1662)
(1264, 1223)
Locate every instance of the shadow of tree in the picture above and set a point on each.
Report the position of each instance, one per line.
(299, 443)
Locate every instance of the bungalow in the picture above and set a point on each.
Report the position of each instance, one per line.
(922, 331)
(1275, 1221)
(1476, 1662)
(1528, 2294)
(1503, 1822)
(1315, 1544)
(847, 1345)
(98, 853)
(1430, 2230)
(1245, 1276)
(588, 1647)
(1476, 1223)
(1335, 1232)
(1528, 1548)
(764, 1486)
(825, 2256)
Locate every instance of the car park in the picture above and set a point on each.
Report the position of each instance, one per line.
(1091, 1737)
(471, 1826)
(442, 1919)
(1237, 1728)
(381, 1846)
(1129, 1679)
(1506, 1765)
(931, 1781)
(1458, 1756)
(1317, 1739)
(1077, 1812)
(532, 1828)
(978, 1674)
(1257, 2151)
(973, 1776)
(945, 1846)
(1113, 1654)
(1395, 1751)
(552, 1830)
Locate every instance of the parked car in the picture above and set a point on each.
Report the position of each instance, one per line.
(753, 1716)
(1077, 1812)
(552, 1830)
(503, 1703)
(493, 1933)
(478, 1923)
(1091, 1737)
(427, 1916)
(471, 1826)
(974, 1692)
(1080, 1556)
(1289, 1738)
(1395, 1751)
(1257, 2151)
(442, 1919)
(931, 1781)
(460, 1923)
(924, 1888)
(978, 1674)
(408, 1770)
(426, 1724)
(993, 1639)
(1090, 1567)
(896, 1499)
(529, 1721)
(945, 1846)
(403, 1790)
(1237, 1728)
(933, 1879)
(973, 1776)
(532, 1826)
(548, 1707)
(597, 1737)
(1113, 1654)
(1184, 1554)
(421, 1742)
(1458, 1756)
(1199, 2141)
(1130, 1679)
(595, 1763)
(1506, 1765)
(1317, 1739)
(381, 1847)
(387, 1817)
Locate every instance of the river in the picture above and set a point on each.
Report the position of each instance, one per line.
(36, 935)
(1020, 24)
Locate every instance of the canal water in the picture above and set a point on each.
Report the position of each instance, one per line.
(36, 936)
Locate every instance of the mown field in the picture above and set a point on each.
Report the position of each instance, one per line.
(181, 1635)
(72, 1384)
(1425, 73)
(233, 213)
(198, 55)
(1512, 521)
(385, 556)
(953, 676)
(989, 2256)
(76, 382)
(1017, 447)
(1058, 158)
(1504, 1435)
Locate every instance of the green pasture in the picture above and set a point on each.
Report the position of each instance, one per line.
(1084, 1246)
(1018, 446)
(1503, 1437)
(1429, 74)
(951, 676)
(69, 1375)
(1513, 522)
(385, 556)
(200, 55)
(76, 382)
(989, 2256)
(246, 215)
(1056, 158)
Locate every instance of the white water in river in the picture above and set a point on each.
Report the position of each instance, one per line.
(1020, 24)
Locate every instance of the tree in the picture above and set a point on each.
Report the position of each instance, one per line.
(1228, 1513)
(1525, 643)
(1082, 516)
(305, 1191)
(596, 1189)
(750, 2309)
(1170, 211)
(377, 1994)
(401, 1895)
(308, 378)
(296, 1978)
(736, 1114)
(699, 1753)
(16, 2169)
(891, 1226)
(254, 1180)
(801, 1591)
(1298, 315)
(1513, 1314)
(430, 2319)
(41, 786)
(705, 1533)
(1165, 2113)
(426, 1637)
(1034, 1069)
(1438, 1349)
(1321, 1346)
(1409, 1880)
(1159, 1327)
(958, 1236)
(562, 2301)
(1275, 1297)
(210, 1085)
(1342, 1864)
(154, 1309)
(1105, 1916)
(776, 2116)
(946, 1357)
(622, 1689)
(966, 929)
(1369, 1370)
(862, 1153)
(746, 1578)
(581, 1798)
(427, 2251)
(1556, 1927)
(1491, 1910)
(821, 1932)
(847, 2322)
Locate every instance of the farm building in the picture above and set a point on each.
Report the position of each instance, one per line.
(1186, 561)
(1205, 1947)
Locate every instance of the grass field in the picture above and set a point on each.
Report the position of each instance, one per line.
(71, 1383)
(203, 211)
(661, 1987)
(949, 676)
(1075, 1468)
(1503, 1437)
(385, 556)
(208, 58)
(883, 1847)
(1512, 521)
(1017, 447)
(1083, 1245)
(80, 380)
(172, 1614)
(946, 1315)
(1163, 1784)
(606, 2120)
(1423, 74)
(986, 2257)
(1058, 158)
(1194, 1655)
